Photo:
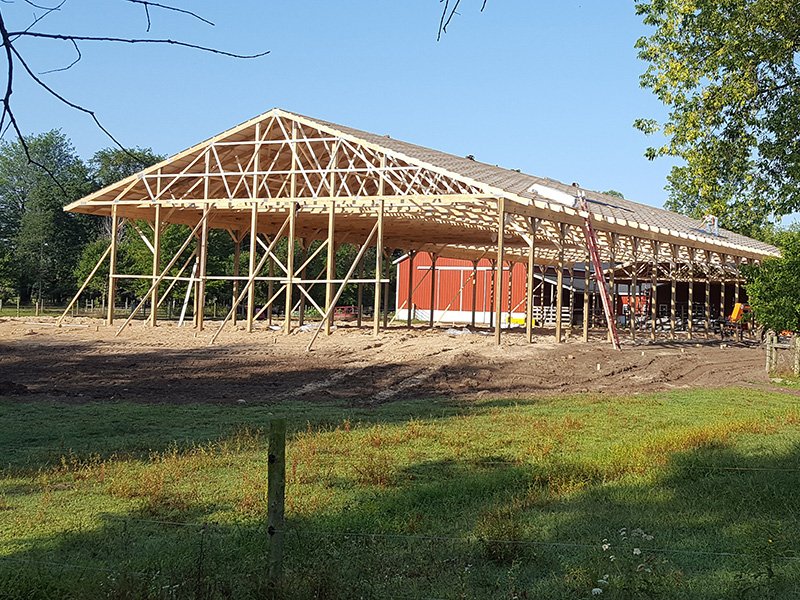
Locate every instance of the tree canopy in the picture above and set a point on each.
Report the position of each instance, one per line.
(728, 72)
(773, 287)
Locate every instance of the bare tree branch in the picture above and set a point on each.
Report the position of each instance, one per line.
(7, 112)
(70, 65)
(147, 4)
(12, 54)
(90, 38)
(47, 12)
(448, 13)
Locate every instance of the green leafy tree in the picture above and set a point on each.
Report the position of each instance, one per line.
(773, 287)
(42, 243)
(728, 72)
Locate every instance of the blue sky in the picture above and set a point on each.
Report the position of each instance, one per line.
(550, 88)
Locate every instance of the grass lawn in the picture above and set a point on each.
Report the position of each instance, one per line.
(422, 499)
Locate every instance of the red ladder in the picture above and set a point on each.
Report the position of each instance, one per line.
(599, 276)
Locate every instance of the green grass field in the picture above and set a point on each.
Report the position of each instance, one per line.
(423, 499)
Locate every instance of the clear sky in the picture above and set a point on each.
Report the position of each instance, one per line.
(550, 88)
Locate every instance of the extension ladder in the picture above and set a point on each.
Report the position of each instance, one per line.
(599, 276)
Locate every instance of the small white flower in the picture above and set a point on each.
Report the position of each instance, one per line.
(612, 558)
(637, 551)
(597, 591)
(648, 537)
(602, 582)
(606, 547)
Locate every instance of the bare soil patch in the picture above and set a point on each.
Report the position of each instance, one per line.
(170, 364)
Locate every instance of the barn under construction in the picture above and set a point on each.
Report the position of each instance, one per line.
(284, 176)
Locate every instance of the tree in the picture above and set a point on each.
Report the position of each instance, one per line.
(614, 193)
(773, 287)
(728, 72)
(41, 242)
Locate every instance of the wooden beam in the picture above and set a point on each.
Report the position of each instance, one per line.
(409, 304)
(292, 229)
(498, 277)
(612, 283)
(330, 266)
(690, 322)
(163, 274)
(376, 314)
(723, 258)
(654, 291)
(112, 267)
(201, 284)
(237, 254)
(633, 295)
(560, 282)
(251, 290)
(708, 294)
(529, 283)
(434, 257)
(586, 283)
(474, 292)
(672, 289)
(156, 265)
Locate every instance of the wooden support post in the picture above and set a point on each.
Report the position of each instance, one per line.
(276, 490)
(586, 282)
(672, 287)
(290, 239)
(529, 284)
(737, 289)
(612, 282)
(708, 294)
(330, 265)
(387, 265)
(434, 258)
(201, 284)
(722, 259)
(560, 281)
(498, 277)
(474, 292)
(571, 309)
(112, 266)
(251, 290)
(237, 254)
(301, 312)
(633, 295)
(690, 323)
(410, 304)
(270, 286)
(292, 228)
(360, 294)
(654, 291)
(156, 263)
(376, 326)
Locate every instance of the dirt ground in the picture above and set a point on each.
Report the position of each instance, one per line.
(84, 361)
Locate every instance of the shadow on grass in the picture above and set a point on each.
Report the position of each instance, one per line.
(463, 529)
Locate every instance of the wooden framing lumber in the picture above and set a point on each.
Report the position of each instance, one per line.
(376, 315)
(533, 224)
(112, 267)
(498, 276)
(560, 283)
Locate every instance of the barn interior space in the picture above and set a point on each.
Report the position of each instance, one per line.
(292, 193)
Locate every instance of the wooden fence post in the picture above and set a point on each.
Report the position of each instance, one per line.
(796, 366)
(770, 351)
(276, 488)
